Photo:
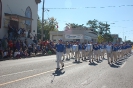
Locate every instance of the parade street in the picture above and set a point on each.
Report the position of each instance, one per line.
(39, 72)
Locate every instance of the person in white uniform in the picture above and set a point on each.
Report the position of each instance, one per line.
(68, 46)
(76, 50)
(89, 51)
(109, 53)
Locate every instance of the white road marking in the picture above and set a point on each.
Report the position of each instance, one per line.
(24, 78)
(25, 71)
(123, 65)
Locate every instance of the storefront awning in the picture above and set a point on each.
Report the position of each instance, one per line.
(18, 16)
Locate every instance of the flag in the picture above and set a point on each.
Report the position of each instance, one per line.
(57, 26)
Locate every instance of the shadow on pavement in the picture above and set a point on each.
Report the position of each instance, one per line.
(119, 62)
(58, 72)
(94, 64)
(114, 66)
(77, 62)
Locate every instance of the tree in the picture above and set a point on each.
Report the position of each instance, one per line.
(100, 39)
(49, 25)
(108, 37)
(93, 24)
(103, 28)
(73, 25)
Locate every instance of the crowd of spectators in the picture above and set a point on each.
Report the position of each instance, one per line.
(15, 33)
(10, 49)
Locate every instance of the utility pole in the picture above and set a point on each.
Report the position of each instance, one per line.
(42, 21)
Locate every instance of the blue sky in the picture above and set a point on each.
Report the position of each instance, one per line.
(121, 16)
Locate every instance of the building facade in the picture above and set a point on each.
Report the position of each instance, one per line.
(116, 38)
(19, 13)
(75, 34)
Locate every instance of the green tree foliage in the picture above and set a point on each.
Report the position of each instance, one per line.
(49, 25)
(73, 25)
(100, 39)
(102, 30)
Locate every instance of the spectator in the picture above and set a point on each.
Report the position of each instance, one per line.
(18, 45)
(35, 39)
(10, 44)
(16, 54)
(5, 54)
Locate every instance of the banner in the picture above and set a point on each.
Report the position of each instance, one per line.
(87, 37)
(73, 36)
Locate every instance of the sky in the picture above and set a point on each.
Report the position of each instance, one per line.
(120, 17)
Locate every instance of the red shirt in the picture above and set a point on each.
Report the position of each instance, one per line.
(10, 44)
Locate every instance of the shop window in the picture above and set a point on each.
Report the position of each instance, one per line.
(0, 12)
(28, 13)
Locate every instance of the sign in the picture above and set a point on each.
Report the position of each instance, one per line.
(74, 36)
(87, 37)
(15, 18)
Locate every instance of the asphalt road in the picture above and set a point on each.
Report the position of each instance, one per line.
(39, 72)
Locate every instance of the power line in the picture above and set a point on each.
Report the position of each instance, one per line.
(92, 7)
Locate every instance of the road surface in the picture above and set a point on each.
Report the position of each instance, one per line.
(39, 72)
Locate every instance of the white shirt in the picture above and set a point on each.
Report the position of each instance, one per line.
(75, 48)
(109, 48)
(5, 53)
(89, 47)
(15, 54)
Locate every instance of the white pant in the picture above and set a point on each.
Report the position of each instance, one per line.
(58, 56)
(68, 52)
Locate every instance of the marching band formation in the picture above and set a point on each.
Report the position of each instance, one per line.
(91, 51)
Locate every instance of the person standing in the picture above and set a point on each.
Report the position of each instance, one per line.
(89, 51)
(109, 53)
(59, 53)
(114, 52)
(83, 51)
(75, 49)
(68, 46)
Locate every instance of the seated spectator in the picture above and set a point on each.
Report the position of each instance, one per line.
(25, 53)
(44, 52)
(10, 44)
(30, 50)
(16, 54)
(1, 54)
(10, 53)
(5, 55)
(21, 52)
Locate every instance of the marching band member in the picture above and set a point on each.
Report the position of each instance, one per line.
(119, 51)
(80, 49)
(83, 51)
(76, 50)
(109, 52)
(59, 53)
(114, 53)
(95, 48)
(98, 51)
(64, 52)
(71, 49)
(102, 50)
(89, 51)
(68, 46)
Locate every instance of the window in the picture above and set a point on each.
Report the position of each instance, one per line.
(0, 12)
(28, 13)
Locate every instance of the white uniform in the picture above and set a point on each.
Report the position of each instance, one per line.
(76, 50)
(109, 52)
(68, 51)
(89, 49)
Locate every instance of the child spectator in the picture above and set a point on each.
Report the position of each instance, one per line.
(16, 54)
(5, 54)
